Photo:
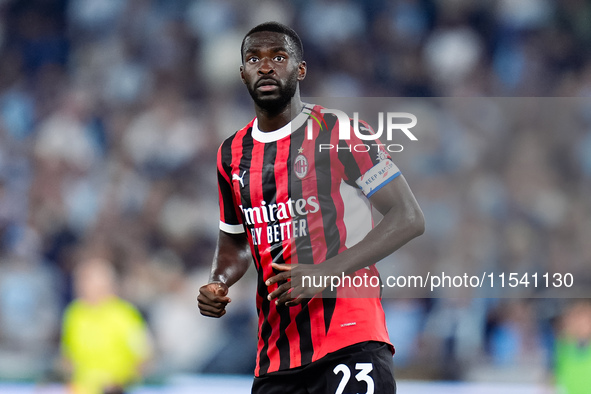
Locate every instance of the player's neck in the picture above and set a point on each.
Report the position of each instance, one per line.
(268, 121)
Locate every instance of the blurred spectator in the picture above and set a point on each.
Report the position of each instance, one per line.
(29, 314)
(517, 344)
(104, 338)
(515, 338)
(163, 138)
(183, 337)
(573, 349)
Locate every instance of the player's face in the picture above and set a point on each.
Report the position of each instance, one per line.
(270, 69)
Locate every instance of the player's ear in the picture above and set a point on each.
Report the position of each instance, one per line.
(302, 69)
(242, 74)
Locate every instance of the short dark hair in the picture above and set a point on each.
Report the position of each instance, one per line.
(277, 27)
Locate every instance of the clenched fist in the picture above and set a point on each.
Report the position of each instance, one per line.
(213, 299)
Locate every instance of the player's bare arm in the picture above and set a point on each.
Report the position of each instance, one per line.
(231, 260)
(403, 220)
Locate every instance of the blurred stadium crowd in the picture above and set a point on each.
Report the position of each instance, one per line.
(111, 112)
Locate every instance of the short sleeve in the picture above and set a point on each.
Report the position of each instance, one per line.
(367, 163)
(230, 220)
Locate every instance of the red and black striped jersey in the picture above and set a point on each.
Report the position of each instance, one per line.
(301, 195)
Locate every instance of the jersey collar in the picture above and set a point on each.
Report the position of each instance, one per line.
(276, 135)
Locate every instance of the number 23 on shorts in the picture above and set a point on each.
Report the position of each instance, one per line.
(362, 376)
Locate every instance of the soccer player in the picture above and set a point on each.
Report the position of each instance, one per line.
(299, 211)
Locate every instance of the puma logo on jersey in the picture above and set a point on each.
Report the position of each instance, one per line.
(239, 178)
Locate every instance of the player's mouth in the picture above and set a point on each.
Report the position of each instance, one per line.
(267, 85)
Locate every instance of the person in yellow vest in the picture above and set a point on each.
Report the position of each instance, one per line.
(104, 338)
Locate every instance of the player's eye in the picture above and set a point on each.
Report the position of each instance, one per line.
(252, 59)
(279, 58)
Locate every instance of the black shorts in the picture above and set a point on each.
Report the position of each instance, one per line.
(364, 368)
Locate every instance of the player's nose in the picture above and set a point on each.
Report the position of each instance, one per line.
(266, 67)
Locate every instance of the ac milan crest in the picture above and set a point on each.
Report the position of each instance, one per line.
(300, 166)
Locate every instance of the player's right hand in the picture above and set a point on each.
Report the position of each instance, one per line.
(213, 299)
